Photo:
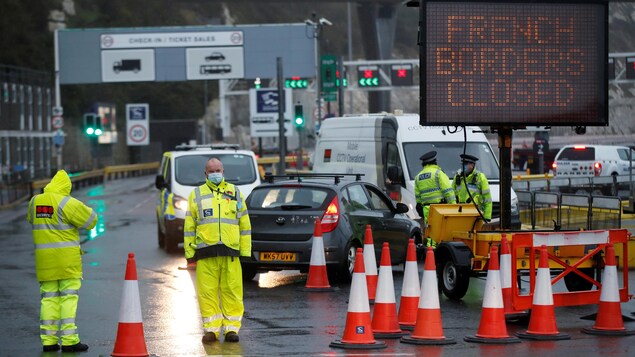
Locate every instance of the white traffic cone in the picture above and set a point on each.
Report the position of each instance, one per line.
(130, 340)
(410, 290)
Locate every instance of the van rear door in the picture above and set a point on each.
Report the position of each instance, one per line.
(575, 161)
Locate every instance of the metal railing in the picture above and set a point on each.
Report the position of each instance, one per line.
(10, 195)
(551, 210)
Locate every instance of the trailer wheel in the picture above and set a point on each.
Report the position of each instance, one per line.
(453, 279)
(574, 282)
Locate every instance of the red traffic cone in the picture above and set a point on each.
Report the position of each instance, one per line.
(384, 322)
(609, 321)
(358, 333)
(410, 290)
(130, 340)
(370, 264)
(318, 279)
(428, 328)
(542, 323)
(506, 282)
(492, 328)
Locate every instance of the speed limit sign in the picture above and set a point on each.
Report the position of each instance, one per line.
(137, 120)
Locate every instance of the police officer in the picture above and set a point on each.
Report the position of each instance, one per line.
(217, 232)
(477, 185)
(56, 218)
(432, 185)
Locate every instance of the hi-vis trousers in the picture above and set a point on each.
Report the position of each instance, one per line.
(219, 284)
(58, 308)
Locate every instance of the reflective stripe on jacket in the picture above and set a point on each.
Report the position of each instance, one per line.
(432, 185)
(217, 214)
(55, 218)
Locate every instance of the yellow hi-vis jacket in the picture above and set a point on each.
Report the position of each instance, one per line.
(217, 214)
(432, 185)
(56, 218)
(479, 189)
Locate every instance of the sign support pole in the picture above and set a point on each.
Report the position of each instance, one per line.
(504, 153)
(281, 105)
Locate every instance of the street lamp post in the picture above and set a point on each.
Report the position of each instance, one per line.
(317, 30)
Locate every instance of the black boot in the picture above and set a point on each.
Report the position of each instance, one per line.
(51, 348)
(231, 336)
(78, 347)
(209, 337)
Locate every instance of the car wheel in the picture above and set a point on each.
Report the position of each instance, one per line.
(160, 236)
(575, 282)
(453, 279)
(343, 272)
(249, 272)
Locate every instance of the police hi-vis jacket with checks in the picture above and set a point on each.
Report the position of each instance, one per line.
(56, 218)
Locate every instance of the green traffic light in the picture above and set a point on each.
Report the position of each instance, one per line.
(90, 131)
(98, 132)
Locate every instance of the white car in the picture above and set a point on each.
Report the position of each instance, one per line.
(182, 170)
(592, 161)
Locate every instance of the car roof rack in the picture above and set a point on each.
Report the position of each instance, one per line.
(299, 176)
(186, 147)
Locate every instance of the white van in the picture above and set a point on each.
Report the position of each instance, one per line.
(183, 169)
(376, 144)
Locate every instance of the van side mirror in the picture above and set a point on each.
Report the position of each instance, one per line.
(159, 182)
(402, 207)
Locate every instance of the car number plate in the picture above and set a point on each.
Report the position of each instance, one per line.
(277, 257)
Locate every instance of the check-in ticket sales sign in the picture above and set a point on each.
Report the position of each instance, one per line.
(519, 63)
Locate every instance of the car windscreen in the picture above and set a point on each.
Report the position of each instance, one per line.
(448, 157)
(577, 154)
(287, 198)
(239, 168)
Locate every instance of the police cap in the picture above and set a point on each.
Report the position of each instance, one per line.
(468, 158)
(429, 156)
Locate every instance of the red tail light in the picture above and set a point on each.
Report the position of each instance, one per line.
(554, 166)
(597, 169)
(395, 195)
(331, 216)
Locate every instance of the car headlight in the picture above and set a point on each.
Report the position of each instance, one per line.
(514, 205)
(180, 203)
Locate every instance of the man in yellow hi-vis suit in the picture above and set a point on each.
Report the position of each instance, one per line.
(55, 217)
(217, 233)
(432, 185)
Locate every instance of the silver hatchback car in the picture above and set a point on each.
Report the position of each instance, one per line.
(283, 211)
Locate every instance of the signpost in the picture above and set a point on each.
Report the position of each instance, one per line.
(263, 108)
(137, 124)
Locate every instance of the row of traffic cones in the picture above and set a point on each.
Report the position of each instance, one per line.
(360, 332)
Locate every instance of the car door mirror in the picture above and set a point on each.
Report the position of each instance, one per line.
(159, 182)
(402, 207)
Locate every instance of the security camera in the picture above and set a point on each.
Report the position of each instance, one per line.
(580, 130)
(326, 22)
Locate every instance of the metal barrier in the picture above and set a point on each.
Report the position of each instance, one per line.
(87, 178)
(608, 185)
(551, 210)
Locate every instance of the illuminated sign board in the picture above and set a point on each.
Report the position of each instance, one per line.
(518, 63)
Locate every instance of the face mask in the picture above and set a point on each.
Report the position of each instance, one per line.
(215, 177)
